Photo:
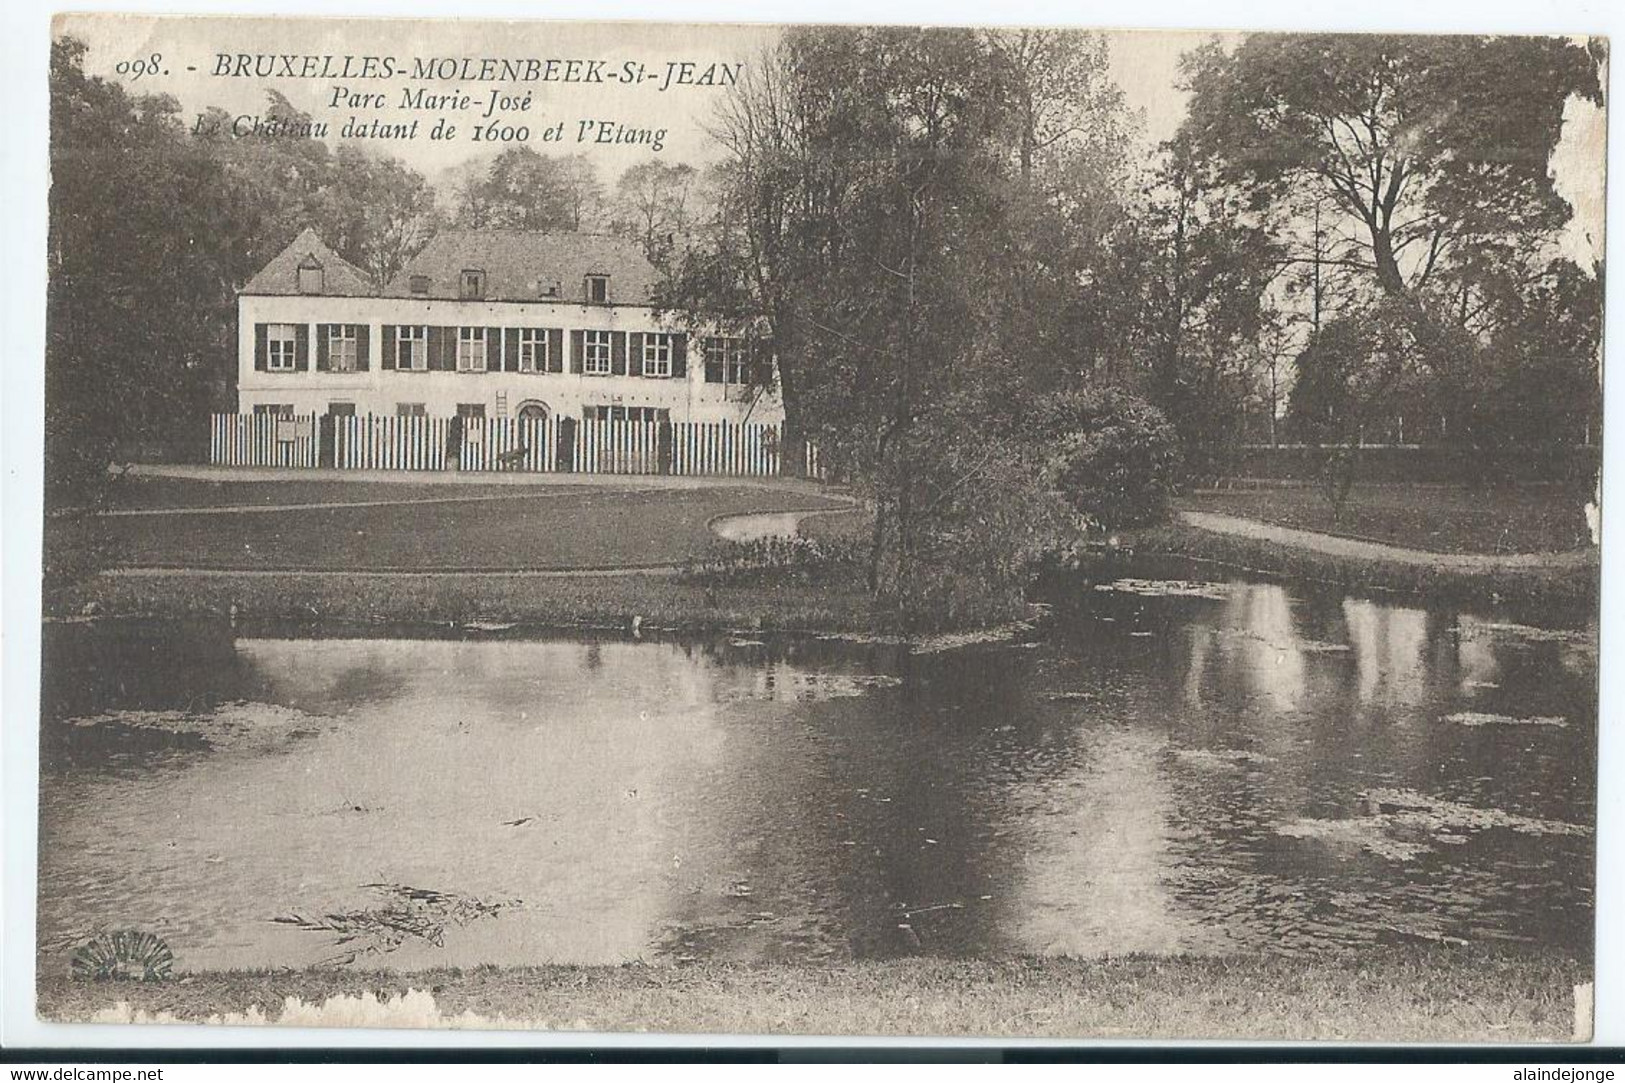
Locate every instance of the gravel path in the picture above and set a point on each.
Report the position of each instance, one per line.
(1332, 545)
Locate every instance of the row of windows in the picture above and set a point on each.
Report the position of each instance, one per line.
(475, 348)
(635, 414)
(726, 358)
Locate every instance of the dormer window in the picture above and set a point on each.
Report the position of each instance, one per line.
(471, 285)
(547, 289)
(420, 283)
(597, 289)
(310, 275)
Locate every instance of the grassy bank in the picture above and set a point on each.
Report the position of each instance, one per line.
(1431, 994)
(257, 559)
(423, 529)
(563, 602)
(1437, 518)
(1560, 585)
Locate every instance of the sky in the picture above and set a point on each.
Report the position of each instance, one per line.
(1144, 63)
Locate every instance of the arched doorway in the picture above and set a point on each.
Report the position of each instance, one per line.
(533, 410)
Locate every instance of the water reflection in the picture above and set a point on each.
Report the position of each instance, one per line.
(1389, 643)
(1183, 773)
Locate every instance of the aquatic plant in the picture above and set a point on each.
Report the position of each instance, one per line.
(127, 954)
(406, 913)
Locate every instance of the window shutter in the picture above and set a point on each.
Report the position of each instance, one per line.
(301, 349)
(510, 350)
(323, 345)
(761, 369)
(261, 350)
(617, 353)
(442, 349)
(713, 360)
(388, 360)
(363, 347)
(555, 349)
(493, 349)
(635, 353)
(679, 357)
(578, 350)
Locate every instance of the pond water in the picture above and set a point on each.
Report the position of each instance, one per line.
(1233, 767)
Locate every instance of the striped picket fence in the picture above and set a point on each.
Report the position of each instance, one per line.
(510, 443)
(371, 442)
(811, 465)
(618, 447)
(551, 444)
(723, 447)
(263, 440)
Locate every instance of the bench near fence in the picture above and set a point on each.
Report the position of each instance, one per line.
(542, 445)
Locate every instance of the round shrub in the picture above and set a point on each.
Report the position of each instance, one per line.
(1116, 458)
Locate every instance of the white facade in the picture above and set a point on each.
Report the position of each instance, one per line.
(385, 391)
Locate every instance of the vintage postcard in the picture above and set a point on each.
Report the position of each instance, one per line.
(839, 530)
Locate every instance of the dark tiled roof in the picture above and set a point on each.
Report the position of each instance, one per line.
(519, 266)
(280, 277)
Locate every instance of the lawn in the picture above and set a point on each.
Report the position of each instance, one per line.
(159, 492)
(610, 601)
(1425, 994)
(1437, 518)
(428, 528)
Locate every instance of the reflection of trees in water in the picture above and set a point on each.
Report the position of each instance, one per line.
(835, 822)
(1367, 716)
(1390, 652)
(95, 667)
(758, 799)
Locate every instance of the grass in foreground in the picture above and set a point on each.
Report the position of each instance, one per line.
(1401, 995)
(145, 493)
(1437, 518)
(536, 529)
(569, 601)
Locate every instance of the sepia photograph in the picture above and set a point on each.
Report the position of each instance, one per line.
(841, 530)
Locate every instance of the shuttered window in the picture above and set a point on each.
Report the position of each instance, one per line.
(341, 347)
(657, 351)
(532, 349)
(597, 349)
(282, 346)
(412, 349)
(471, 349)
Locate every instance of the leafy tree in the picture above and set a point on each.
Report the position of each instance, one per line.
(522, 189)
(379, 215)
(142, 251)
(922, 292)
(154, 226)
(1065, 110)
(1116, 459)
(1189, 280)
(653, 203)
(1351, 372)
(1429, 157)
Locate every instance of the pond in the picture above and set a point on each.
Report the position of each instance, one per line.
(1172, 767)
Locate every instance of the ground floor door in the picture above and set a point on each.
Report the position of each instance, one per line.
(327, 438)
